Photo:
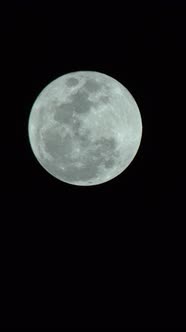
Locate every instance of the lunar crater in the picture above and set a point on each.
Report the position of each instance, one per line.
(71, 82)
(57, 147)
(91, 85)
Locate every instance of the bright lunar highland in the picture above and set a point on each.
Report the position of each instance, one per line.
(85, 128)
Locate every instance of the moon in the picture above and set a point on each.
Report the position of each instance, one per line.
(85, 128)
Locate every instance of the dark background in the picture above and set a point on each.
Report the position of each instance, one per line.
(111, 255)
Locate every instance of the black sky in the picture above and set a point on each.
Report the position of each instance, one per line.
(110, 255)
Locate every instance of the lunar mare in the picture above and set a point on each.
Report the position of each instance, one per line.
(85, 128)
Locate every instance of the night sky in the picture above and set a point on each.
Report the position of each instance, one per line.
(106, 256)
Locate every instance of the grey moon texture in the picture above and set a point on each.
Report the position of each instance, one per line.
(85, 128)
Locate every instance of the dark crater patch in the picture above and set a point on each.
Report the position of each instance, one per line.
(81, 103)
(78, 104)
(105, 145)
(104, 99)
(92, 86)
(57, 147)
(71, 82)
(76, 126)
(109, 163)
(105, 151)
(64, 113)
(84, 139)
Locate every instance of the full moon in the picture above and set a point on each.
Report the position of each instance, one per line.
(85, 128)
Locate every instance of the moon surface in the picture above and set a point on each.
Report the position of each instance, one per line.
(85, 128)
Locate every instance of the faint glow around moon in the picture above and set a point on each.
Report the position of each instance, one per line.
(85, 128)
